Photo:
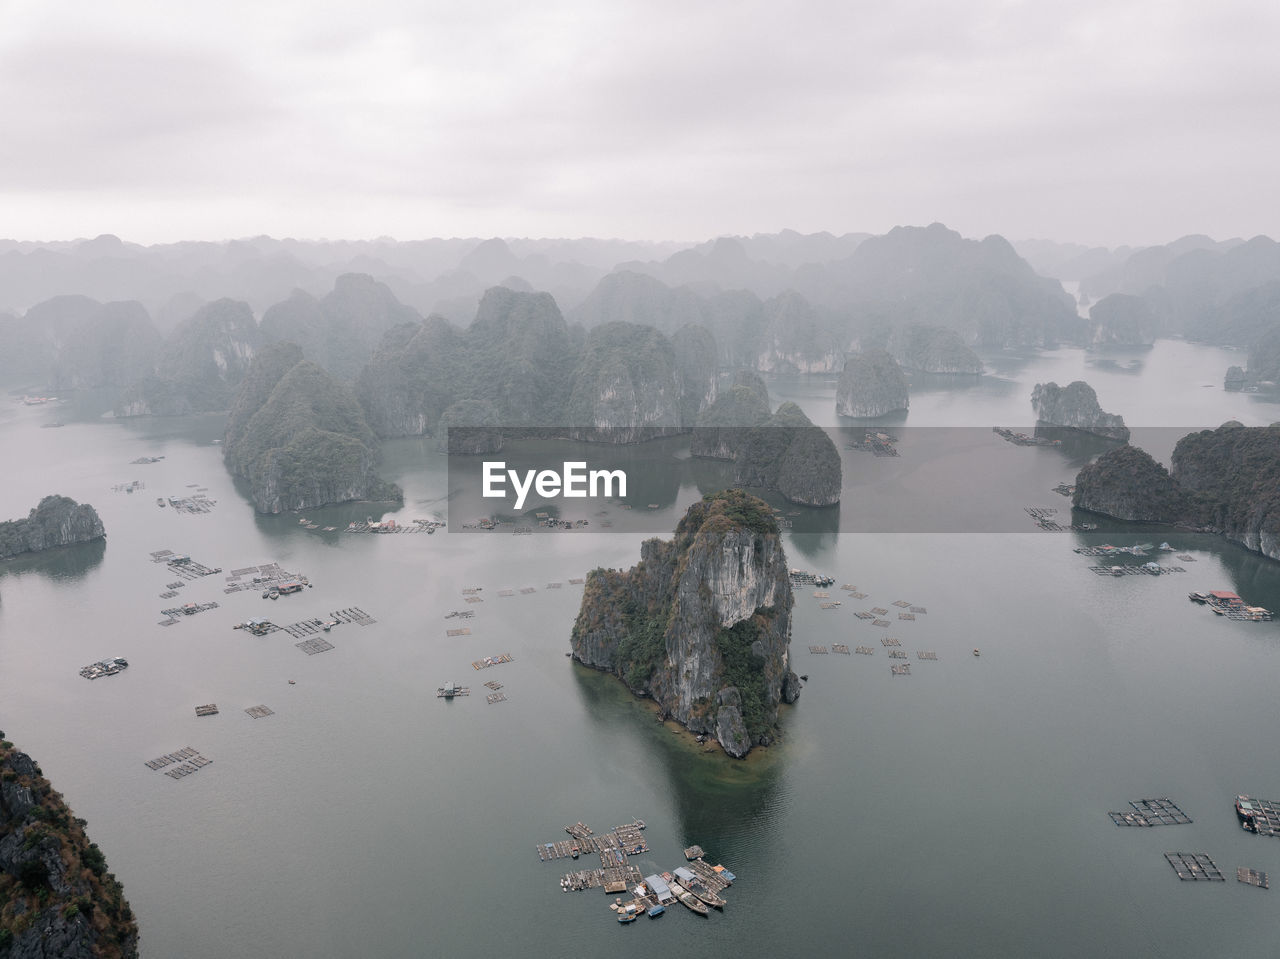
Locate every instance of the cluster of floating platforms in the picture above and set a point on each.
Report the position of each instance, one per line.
(186, 609)
(801, 577)
(260, 577)
(1146, 569)
(1022, 439)
(427, 526)
(1044, 517)
(1195, 866)
(1151, 812)
(1228, 604)
(491, 661)
(313, 646)
(305, 628)
(881, 444)
(183, 566)
(145, 460)
(193, 504)
(106, 667)
(185, 762)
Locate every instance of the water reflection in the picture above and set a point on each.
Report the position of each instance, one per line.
(68, 563)
(720, 802)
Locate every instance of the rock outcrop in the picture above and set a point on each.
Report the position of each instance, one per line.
(933, 349)
(1123, 320)
(56, 521)
(299, 437)
(872, 384)
(626, 387)
(1225, 480)
(1236, 379)
(469, 427)
(1075, 406)
(702, 624)
(56, 897)
(200, 366)
(720, 430)
(1127, 483)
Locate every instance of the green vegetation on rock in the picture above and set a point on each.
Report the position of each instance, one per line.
(56, 896)
(299, 437)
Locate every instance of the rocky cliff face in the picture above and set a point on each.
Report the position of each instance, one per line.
(702, 624)
(933, 349)
(1075, 406)
(56, 521)
(200, 366)
(1123, 320)
(626, 387)
(871, 384)
(56, 897)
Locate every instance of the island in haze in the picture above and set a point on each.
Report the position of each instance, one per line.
(56, 896)
(299, 438)
(1075, 406)
(56, 521)
(702, 624)
(782, 451)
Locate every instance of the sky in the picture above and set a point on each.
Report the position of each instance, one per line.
(1098, 121)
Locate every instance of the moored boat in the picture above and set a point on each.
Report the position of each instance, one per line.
(689, 899)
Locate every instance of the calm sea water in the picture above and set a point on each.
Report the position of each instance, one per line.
(960, 811)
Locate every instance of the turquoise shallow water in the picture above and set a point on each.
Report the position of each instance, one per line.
(960, 811)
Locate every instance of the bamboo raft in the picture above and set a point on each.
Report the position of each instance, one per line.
(258, 712)
(879, 610)
(1252, 877)
(1130, 570)
(865, 650)
(461, 614)
(890, 641)
(835, 605)
(926, 655)
(903, 670)
(455, 691)
(863, 614)
(527, 590)
(576, 581)
(880, 622)
(918, 609)
(819, 650)
(694, 852)
(840, 648)
(897, 654)
(910, 617)
(902, 603)
(209, 709)
(506, 592)
(494, 685)
(463, 631)
(492, 698)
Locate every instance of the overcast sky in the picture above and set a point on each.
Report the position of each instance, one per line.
(1100, 121)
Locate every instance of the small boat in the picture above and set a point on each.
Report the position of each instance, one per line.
(628, 913)
(977, 653)
(293, 682)
(1198, 597)
(706, 895)
(656, 911)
